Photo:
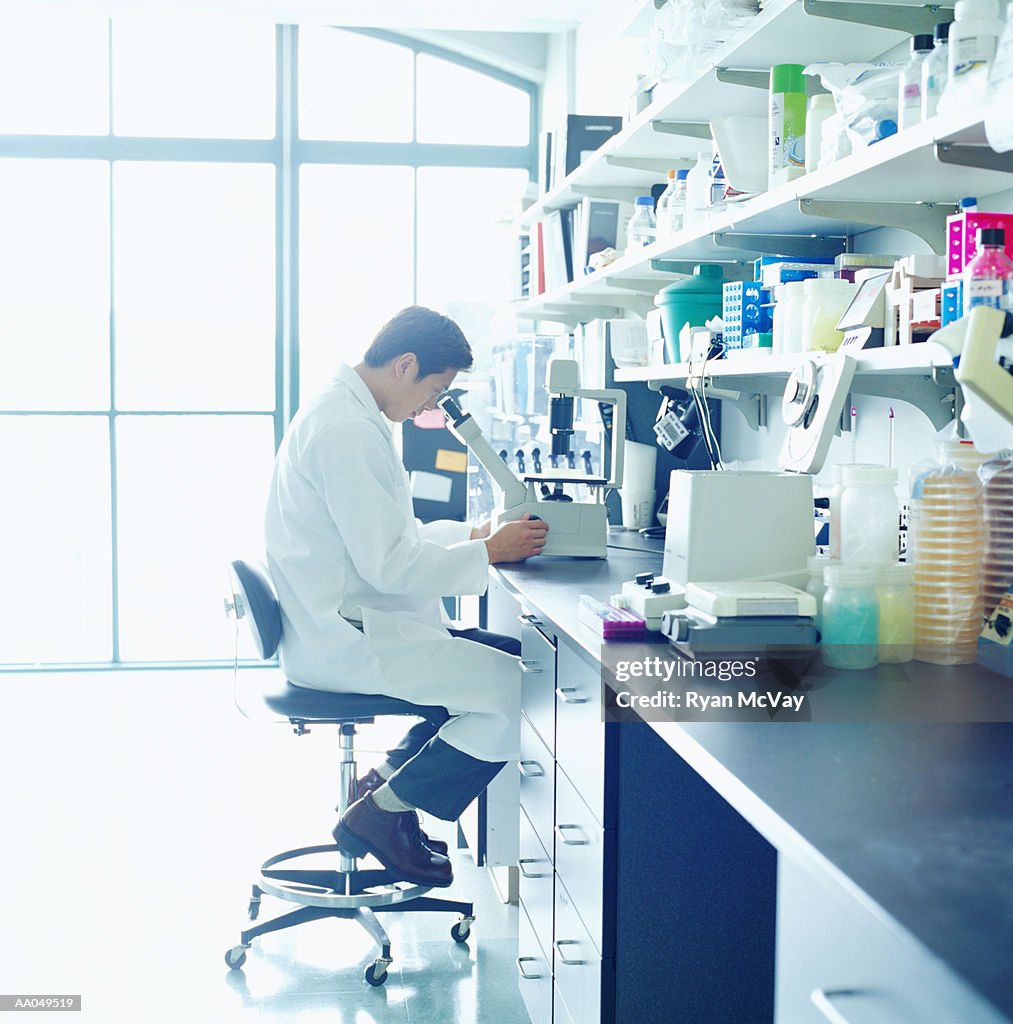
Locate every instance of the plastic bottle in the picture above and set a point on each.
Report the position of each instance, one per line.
(869, 515)
(826, 299)
(642, 229)
(661, 210)
(780, 304)
(988, 278)
(676, 210)
(974, 36)
(896, 614)
(836, 493)
(718, 181)
(787, 123)
(850, 617)
(816, 585)
(698, 189)
(794, 303)
(909, 99)
(935, 71)
(820, 108)
(969, 204)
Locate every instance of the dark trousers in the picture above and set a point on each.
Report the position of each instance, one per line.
(433, 775)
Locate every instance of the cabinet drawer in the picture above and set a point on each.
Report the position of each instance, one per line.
(839, 961)
(537, 881)
(535, 973)
(576, 964)
(538, 683)
(580, 732)
(537, 783)
(580, 857)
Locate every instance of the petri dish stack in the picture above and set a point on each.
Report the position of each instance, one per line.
(997, 567)
(949, 537)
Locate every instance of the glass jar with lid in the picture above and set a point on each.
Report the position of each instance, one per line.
(850, 617)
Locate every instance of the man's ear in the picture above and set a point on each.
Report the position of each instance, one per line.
(406, 365)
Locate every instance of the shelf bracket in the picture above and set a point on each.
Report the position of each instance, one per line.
(909, 20)
(926, 220)
(686, 266)
(623, 193)
(688, 129)
(982, 157)
(749, 79)
(641, 285)
(935, 394)
(793, 246)
(633, 163)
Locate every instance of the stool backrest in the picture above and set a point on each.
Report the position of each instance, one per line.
(254, 599)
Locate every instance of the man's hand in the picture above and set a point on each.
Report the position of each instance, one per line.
(513, 542)
(482, 531)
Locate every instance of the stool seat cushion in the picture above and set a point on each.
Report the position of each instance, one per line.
(284, 698)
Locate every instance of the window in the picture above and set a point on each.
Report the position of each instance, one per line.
(177, 273)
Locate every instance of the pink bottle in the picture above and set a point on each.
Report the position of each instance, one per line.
(988, 277)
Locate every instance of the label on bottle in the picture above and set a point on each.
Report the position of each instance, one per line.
(968, 53)
(982, 292)
(912, 94)
(776, 133)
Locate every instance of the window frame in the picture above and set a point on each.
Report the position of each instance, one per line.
(287, 153)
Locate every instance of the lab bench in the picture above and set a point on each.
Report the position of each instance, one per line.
(741, 872)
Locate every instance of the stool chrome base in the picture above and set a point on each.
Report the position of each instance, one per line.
(357, 895)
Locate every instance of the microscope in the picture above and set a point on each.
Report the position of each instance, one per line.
(577, 529)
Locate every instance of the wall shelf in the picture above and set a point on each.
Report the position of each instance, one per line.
(828, 204)
(920, 375)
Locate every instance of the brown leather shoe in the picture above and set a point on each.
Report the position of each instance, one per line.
(393, 837)
(373, 780)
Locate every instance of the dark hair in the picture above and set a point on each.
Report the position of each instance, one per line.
(435, 340)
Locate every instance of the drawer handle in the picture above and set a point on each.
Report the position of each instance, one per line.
(521, 961)
(560, 831)
(564, 693)
(530, 667)
(562, 958)
(527, 619)
(524, 767)
(822, 998)
(531, 874)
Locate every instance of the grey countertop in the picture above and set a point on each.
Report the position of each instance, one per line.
(915, 819)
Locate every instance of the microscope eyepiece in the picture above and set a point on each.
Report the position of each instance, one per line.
(449, 405)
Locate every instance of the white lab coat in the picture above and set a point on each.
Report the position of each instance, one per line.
(343, 544)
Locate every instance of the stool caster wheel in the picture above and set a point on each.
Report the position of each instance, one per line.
(376, 972)
(254, 910)
(462, 929)
(235, 958)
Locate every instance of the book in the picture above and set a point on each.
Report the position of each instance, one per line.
(583, 134)
(557, 249)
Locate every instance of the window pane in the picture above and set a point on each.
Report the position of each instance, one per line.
(352, 86)
(355, 262)
(472, 258)
(54, 264)
(459, 105)
(54, 74)
(193, 78)
(194, 286)
(55, 544)
(192, 493)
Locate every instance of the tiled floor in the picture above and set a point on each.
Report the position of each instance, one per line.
(134, 808)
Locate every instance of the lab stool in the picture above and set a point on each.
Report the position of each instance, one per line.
(349, 892)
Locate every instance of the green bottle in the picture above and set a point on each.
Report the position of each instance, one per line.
(787, 124)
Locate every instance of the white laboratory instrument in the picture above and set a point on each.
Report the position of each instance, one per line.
(577, 529)
(733, 525)
(812, 405)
